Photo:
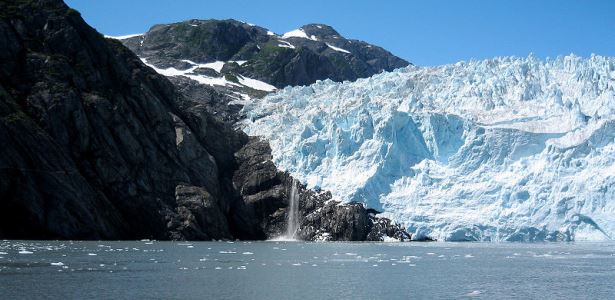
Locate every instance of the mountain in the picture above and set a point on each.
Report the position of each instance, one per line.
(514, 149)
(97, 145)
(235, 50)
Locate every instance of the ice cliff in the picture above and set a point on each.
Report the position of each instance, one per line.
(516, 149)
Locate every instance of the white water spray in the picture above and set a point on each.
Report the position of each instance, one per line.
(293, 212)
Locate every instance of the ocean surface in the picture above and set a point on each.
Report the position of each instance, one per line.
(298, 270)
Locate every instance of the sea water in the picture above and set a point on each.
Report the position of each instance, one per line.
(300, 270)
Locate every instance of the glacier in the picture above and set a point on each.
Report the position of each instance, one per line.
(504, 149)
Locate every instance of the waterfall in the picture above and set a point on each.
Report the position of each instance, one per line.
(293, 212)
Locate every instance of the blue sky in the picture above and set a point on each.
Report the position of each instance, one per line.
(422, 32)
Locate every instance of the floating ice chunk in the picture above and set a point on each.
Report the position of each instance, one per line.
(25, 252)
(59, 264)
(388, 239)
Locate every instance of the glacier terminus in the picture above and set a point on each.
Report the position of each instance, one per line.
(505, 149)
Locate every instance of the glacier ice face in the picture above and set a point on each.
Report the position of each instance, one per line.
(510, 148)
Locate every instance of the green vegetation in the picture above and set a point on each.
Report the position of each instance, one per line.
(231, 77)
(270, 59)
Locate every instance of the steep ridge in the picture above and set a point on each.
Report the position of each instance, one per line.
(233, 50)
(240, 62)
(96, 145)
(513, 149)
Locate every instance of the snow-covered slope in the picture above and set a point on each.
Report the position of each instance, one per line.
(502, 149)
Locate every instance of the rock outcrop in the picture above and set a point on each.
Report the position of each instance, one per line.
(96, 145)
(312, 52)
(266, 192)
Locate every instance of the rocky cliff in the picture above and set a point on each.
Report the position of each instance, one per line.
(96, 145)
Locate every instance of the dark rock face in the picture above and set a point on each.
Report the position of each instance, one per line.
(199, 216)
(270, 58)
(266, 192)
(96, 145)
(215, 100)
(327, 220)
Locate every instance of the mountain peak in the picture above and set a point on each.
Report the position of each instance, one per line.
(278, 60)
(319, 30)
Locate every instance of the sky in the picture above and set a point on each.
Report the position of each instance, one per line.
(426, 33)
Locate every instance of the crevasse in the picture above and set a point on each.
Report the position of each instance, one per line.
(516, 149)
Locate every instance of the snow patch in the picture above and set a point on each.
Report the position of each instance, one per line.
(338, 49)
(299, 33)
(220, 81)
(123, 37)
(217, 65)
(256, 84)
(286, 44)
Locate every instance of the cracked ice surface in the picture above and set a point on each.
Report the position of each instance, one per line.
(502, 149)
